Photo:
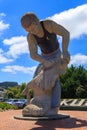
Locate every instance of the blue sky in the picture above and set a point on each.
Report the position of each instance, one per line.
(15, 62)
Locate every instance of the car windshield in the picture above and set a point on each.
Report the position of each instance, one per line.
(9, 100)
(22, 100)
(12, 100)
(15, 100)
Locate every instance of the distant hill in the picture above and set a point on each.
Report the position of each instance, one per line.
(8, 84)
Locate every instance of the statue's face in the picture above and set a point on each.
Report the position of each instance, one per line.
(35, 28)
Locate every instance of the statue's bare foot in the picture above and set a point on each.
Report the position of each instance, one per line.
(52, 111)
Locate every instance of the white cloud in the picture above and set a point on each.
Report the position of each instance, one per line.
(3, 26)
(78, 59)
(18, 45)
(14, 40)
(16, 68)
(75, 20)
(3, 58)
(2, 14)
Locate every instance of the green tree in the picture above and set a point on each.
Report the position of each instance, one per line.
(16, 92)
(22, 87)
(80, 91)
(10, 94)
(12, 91)
(74, 82)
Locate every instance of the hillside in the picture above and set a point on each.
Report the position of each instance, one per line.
(8, 84)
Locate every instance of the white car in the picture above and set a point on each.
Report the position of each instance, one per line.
(11, 101)
(20, 103)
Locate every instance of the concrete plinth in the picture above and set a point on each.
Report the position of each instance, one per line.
(54, 117)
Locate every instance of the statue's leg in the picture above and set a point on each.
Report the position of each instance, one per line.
(55, 100)
(36, 108)
(56, 95)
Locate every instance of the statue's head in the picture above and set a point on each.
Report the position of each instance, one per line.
(27, 19)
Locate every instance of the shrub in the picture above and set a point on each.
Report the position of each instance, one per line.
(5, 106)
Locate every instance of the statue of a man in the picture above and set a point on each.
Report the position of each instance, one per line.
(53, 62)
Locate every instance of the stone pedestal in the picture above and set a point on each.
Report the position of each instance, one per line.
(54, 117)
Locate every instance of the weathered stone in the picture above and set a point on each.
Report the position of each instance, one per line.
(54, 63)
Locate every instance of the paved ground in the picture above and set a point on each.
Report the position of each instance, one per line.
(77, 121)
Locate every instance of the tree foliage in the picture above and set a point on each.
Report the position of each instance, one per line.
(74, 82)
(16, 92)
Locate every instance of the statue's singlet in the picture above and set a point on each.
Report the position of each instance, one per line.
(48, 43)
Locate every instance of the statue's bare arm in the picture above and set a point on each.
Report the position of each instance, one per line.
(32, 43)
(53, 27)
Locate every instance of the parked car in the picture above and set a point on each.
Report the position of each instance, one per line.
(20, 103)
(1, 99)
(11, 101)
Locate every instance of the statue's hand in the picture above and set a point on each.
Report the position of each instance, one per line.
(66, 57)
(48, 63)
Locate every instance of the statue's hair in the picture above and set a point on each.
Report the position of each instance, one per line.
(28, 18)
